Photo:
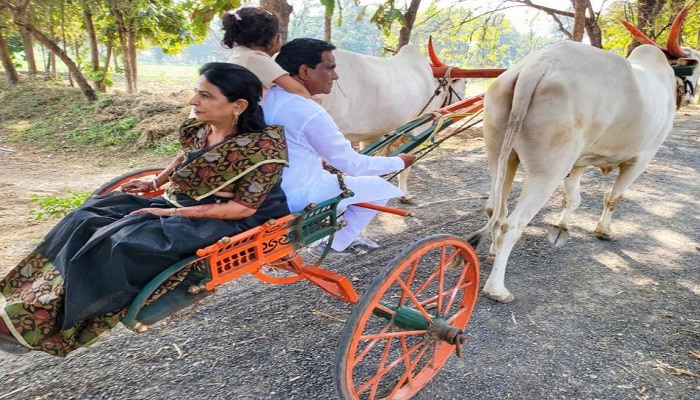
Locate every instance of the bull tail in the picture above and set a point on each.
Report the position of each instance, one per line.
(523, 92)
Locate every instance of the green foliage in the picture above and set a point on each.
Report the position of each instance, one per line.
(352, 32)
(617, 38)
(202, 12)
(48, 207)
(97, 76)
(329, 5)
(115, 133)
(166, 149)
(386, 15)
(467, 41)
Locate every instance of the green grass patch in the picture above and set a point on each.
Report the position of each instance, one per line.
(51, 207)
(116, 133)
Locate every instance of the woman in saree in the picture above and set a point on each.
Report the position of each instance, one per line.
(80, 279)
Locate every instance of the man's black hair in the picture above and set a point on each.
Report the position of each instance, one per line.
(302, 51)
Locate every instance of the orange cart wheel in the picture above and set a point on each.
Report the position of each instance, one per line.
(117, 182)
(409, 321)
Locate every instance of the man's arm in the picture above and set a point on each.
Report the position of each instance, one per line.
(323, 134)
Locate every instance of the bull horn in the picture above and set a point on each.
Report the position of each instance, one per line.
(434, 60)
(673, 45)
(639, 35)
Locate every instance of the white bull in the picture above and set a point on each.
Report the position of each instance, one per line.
(558, 111)
(375, 95)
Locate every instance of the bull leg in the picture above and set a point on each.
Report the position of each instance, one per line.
(511, 169)
(559, 234)
(403, 186)
(629, 172)
(532, 198)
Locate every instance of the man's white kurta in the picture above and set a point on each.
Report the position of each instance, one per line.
(312, 136)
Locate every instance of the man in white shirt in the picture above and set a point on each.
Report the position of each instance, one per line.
(313, 137)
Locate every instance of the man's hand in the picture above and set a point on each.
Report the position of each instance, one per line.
(408, 159)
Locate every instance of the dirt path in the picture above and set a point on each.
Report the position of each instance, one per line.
(591, 320)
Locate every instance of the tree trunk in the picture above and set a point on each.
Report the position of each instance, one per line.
(108, 57)
(98, 80)
(51, 70)
(131, 40)
(580, 7)
(73, 69)
(123, 35)
(28, 45)
(327, 25)
(591, 22)
(282, 10)
(10, 71)
(51, 66)
(410, 17)
(595, 36)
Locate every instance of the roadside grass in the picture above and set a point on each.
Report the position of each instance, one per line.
(57, 118)
(43, 114)
(51, 207)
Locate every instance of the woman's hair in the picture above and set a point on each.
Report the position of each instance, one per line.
(249, 26)
(236, 82)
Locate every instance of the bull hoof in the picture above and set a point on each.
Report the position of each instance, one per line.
(490, 258)
(504, 297)
(557, 236)
(603, 236)
(408, 200)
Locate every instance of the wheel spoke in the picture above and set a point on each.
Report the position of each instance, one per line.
(408, 376)
(409, 280)
(453, 296)
(374, 340)
(414, 300)
(403, 359)
(430, 279)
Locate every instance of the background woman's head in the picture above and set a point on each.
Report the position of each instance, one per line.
(251, 26)
(237, 83)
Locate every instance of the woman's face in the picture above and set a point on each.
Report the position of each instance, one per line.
(210, 105)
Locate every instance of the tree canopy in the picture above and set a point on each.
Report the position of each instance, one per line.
(94, 39)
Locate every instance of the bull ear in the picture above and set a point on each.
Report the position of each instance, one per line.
(674, 44)
(434, 60)
(639, 35)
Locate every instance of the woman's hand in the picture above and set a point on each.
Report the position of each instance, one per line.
(137, 186)
(161, 212)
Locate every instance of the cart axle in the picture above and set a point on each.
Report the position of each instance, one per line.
(410, 319)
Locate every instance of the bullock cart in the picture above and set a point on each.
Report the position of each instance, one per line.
(402, 329)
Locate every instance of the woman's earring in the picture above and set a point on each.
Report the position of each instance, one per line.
(235, 121)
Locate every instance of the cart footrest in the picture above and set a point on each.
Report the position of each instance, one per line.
(168, 293)
(174, 300)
